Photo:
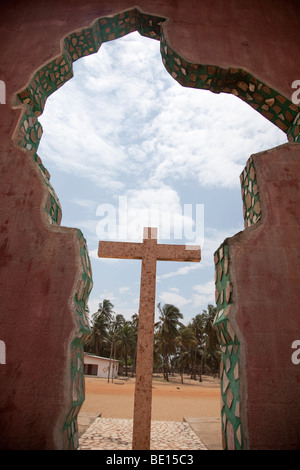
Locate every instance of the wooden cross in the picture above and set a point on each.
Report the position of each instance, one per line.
(149, 252)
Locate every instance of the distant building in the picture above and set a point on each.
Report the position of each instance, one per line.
(98, 366)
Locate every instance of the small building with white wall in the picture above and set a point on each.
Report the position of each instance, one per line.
(98, 366)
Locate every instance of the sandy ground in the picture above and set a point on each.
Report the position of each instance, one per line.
(170, 401)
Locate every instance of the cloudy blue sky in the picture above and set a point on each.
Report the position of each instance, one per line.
(127, 147)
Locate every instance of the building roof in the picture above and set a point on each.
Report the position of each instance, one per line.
(100, 357)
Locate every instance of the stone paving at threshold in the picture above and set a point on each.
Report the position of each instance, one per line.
(116, 434)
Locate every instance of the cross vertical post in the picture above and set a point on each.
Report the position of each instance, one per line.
(149, 252)
(144, 361)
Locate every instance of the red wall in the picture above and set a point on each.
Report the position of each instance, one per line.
(266, 278)
(40, 264)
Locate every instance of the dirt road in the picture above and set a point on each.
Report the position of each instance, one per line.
(170, 401)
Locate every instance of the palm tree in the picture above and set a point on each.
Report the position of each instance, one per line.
(106, 308)
(211, 348)
(97, 341)
(185, 341)
(157, 357)
(197, 326)
(115, 323)
(167, 330)
(135, 320)
(125, 342)
(135, 327)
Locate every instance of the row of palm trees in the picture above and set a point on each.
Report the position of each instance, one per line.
(191, 348)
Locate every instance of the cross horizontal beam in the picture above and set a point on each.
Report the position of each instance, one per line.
(123, 250)
(161, 252)
(178, 253)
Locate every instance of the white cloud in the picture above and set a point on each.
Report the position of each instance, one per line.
(124, 116)
(93, 254)
(94, 257)
(87, 225)
(181, 271)
(74, 146)
(122, 290)
(85, 203)
(204, 294)
(207, 138)
(174, 289)
(147, 207)
(213, 239)
(206, 288)
(171, 297)
(125, 127)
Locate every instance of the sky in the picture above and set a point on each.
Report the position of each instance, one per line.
(127, 147)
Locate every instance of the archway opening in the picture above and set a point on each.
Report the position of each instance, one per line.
(164, 166)
(123, 112)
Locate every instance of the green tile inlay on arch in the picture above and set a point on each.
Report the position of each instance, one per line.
(70, 428)
(232, 431)
(250, 194)
(268, 102)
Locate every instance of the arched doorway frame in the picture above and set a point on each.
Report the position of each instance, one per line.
(237, 81)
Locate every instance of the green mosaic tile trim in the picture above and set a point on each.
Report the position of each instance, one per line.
(52, 206)
(250, 194)
(111, 28)
(273, 106)
(27, 138)
(230, 347)
(70, 428)
(88, 40)
(45, 81)
(29, 131)
(43, 169)
(149, 25)
(294, 131)
(82, 43)
(85, 286)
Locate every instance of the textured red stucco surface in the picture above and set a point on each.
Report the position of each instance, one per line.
(38, 272)
(265, 268)
(39, 264)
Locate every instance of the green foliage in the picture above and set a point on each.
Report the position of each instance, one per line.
(191, 348)
(112, 336)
